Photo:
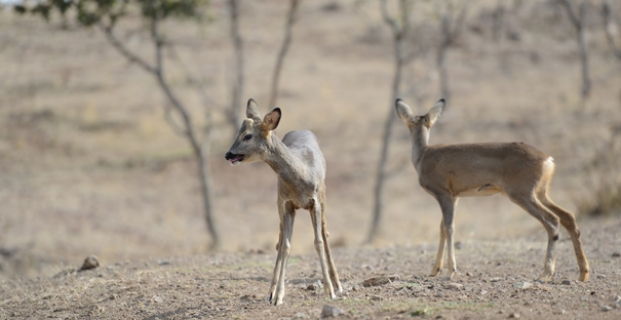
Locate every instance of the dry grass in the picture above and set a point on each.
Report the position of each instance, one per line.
(603, 192)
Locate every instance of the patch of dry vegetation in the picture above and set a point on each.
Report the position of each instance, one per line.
(602, 194)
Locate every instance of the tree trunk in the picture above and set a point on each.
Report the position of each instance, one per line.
(201, 155)
(236, 108)
(205, 177)
(282, 53)
(443, 74)
(608, 27)
(381, 168)
(442, 51)
(586, 80)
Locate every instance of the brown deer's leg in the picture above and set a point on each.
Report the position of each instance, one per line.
(437, 266)
(334, 276)
(317, 218)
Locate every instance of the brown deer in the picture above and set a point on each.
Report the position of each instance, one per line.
(301, 170)
(516, 170)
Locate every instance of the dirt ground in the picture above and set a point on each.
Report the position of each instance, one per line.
(495, 282)
(89, 165)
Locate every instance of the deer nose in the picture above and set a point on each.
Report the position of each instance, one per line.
(228, 155)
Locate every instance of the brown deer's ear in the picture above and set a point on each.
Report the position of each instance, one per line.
(436, 111)
(271, 120)
(404, 111)
(252, 110)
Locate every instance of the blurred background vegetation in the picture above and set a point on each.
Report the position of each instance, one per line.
(115, 116)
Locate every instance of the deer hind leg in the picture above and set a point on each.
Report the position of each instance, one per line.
(550, 222)
(334, 276)
(317, 218)
(287, 217)
(437, 266)
(447, 204)
(568, 220)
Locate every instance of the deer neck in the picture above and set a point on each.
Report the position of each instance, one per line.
(420, 142)
(286, 165)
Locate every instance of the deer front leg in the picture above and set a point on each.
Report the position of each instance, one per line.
(316, 217)
(447, 204)
(437, 266)
(275, 278)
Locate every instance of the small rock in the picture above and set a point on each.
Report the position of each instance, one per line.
(522, 285)
(315, 285)
(566, 282)
(617, 300)
(483, 292)
(330, 311)
(378, 281)
(90, 262)
(616, 254)
(376, 298)
(164, 263)
(601, 276)
(468, 274)
(158, 299)
(495, 279)
(301, 315)
(514, 315)
(605, 308)
(453, 286)
(458, 245)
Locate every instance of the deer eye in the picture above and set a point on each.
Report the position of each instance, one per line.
(247, 137)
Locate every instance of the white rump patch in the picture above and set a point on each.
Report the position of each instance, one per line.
(548, 164)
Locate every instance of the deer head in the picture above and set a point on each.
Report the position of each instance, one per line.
(419, 122)
(253, 138)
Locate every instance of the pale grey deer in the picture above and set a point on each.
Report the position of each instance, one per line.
(301, 170)
(516, 170)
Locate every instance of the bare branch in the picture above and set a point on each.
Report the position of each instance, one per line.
(114, 41)
(388, 19)
(608, 26)
(459, 21)
(177, 128)
(569, 8)
(283, 52)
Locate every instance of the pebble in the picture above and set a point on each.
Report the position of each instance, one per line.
(522, 285)
(616, 254)
(606, 308)
(378, 281)
(315, 285)
(454, 286)
(495, 279)
(566, 282)
(376, 298)
(514, 315)
(601, 276)
(330, 311)
(90, 262)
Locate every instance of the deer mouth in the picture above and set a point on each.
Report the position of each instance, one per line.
(235, 158)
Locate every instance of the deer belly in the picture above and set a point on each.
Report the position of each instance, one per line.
(481, 191)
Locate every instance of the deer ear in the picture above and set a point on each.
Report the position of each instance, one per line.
(252, 110)
(435, 112)
(404, 111)
(271, 120)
